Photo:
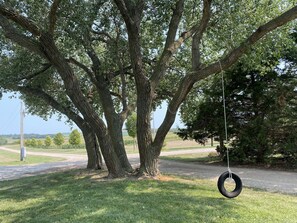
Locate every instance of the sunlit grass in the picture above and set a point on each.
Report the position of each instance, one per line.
(81, 196)
(10, 158)
(194, 157)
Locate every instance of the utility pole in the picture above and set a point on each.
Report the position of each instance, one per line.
(23, 149)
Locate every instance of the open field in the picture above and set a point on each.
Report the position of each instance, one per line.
(172, 142)
(83, 196)
(8, 158)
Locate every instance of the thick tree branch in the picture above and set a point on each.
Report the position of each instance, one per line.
(116, 95)
(172, 47)
(53, 16)
(121, 5)
(38, 93)
(196, 61)
(11, 33)
(114, 74)
(236, 53)
(20, 20)
(174, 22)
(101, 33)
(189, 80)
(83, 67)
(31, 76)
(126, 112)
(161, 66)
(91, 53)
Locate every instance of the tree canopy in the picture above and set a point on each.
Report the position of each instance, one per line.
(104, 59)
(261, 110)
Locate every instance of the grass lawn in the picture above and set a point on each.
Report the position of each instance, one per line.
(52, 150)
(83, 196)
(195, 157)
(9, 158)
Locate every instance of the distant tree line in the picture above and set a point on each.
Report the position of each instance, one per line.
(3, 141)
(74, 140)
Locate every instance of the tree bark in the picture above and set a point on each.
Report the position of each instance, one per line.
(75, 94)
(93, 152)
(115, 126)
(114, 122)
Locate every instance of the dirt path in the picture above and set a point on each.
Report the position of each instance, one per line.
(271, 180)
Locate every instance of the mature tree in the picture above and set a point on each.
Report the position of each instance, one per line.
(74, 137)
(48, 141)
(210, 34)
(92, 45)
(59, 139)
(131, 125)
(79, 92)
(3, 141)
(260, 106)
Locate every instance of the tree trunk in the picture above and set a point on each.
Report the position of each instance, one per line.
(149, 165)
(93, 153)
(114, 122)
(74, 92)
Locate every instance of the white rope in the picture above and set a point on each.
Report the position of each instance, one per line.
(225, 119)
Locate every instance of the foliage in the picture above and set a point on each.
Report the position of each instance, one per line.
(59, 139)
(261, 113)
(3, 141)
(131, 125)
(48, 141)
(86, 58)
(75, 137)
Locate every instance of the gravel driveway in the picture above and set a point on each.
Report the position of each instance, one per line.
(270, 180)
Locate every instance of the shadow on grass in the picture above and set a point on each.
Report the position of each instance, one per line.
(74, 197)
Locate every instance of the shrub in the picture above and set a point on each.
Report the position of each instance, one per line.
(33, 142)
(28, 142)
(74, 137)
(3, 141)
(48, 141)
(59, 139)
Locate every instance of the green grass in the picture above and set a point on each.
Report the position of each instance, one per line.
(9, 158)
(195, 157)
(81, 196)
(51, 150)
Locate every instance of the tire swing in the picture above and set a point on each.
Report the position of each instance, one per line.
(228, 175)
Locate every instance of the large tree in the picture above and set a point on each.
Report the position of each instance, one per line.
(180, 42)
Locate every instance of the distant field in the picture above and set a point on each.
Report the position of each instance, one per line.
(172, 142)
(9, 158)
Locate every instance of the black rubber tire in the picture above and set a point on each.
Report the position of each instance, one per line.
(221, 186)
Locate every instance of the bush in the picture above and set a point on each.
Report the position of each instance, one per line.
(39, 143)
(3, 141)
(28, 142)
(48, 141)
(74, 137)
(289, 151)
(59, 139)
(33, 142)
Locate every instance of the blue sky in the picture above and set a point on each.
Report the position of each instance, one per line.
(10, 119)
